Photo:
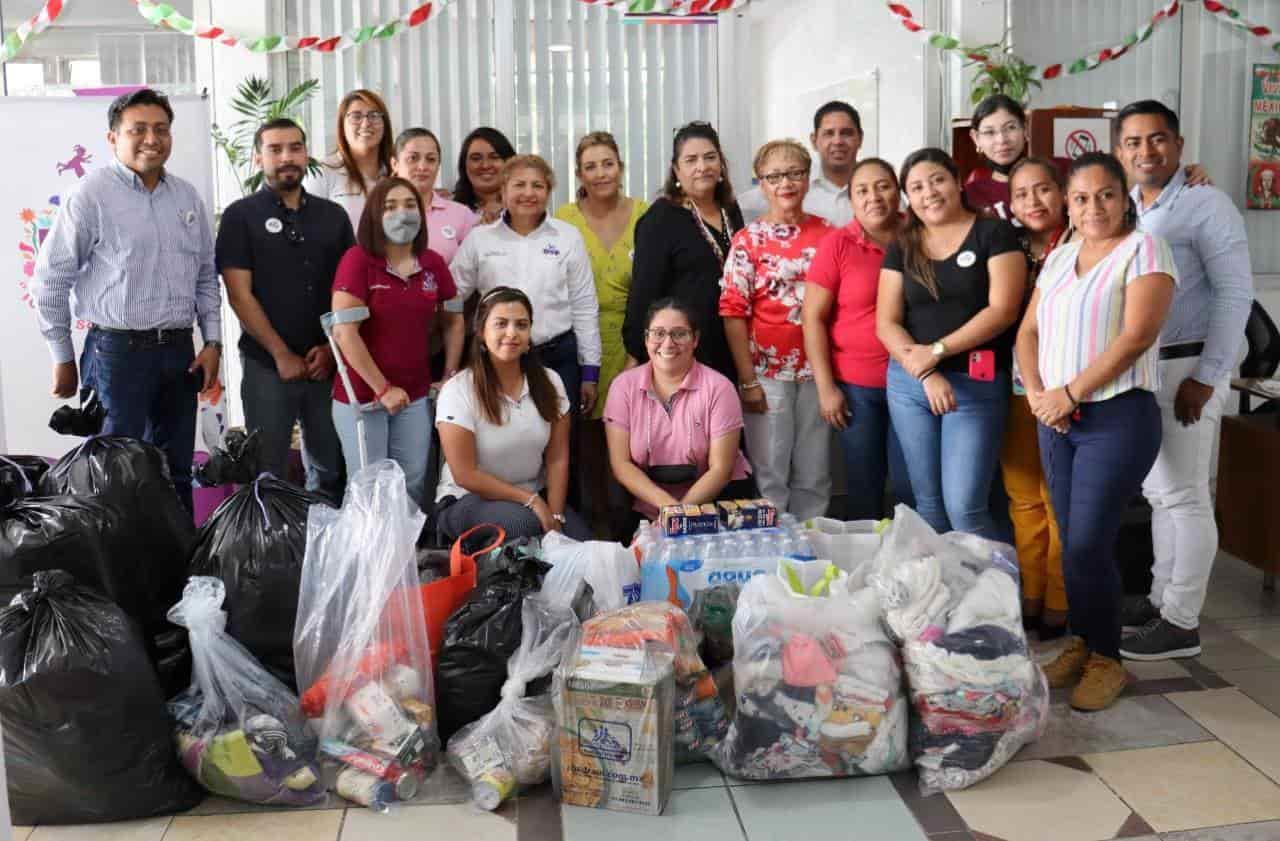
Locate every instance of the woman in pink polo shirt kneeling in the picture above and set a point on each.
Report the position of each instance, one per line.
(673, 424)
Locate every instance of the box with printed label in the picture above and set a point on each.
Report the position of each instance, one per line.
(738, 514)
(615, 747)
(688, 518)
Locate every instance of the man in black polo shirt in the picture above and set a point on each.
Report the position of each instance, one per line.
(277, 251)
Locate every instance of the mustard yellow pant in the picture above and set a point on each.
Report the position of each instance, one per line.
(1035, 528)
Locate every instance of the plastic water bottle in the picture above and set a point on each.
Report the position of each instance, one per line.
(644, 541)
(801, 548)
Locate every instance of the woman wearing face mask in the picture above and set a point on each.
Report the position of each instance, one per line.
(392, 272)
(848, 360)
(682, 242)
(1039, 205)
(504, 428)
(1088, 355)
(479, 185)
(673, 424)
(362, 157)
(763, 292)
(951, 291)
(606, 217)
(549, 260)
(417, 160)
(999, 130)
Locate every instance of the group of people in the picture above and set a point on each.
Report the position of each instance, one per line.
(1050, 336)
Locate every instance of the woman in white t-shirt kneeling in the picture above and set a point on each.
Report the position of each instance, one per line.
(504, 428)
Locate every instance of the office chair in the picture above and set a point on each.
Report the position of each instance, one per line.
(1263, 357)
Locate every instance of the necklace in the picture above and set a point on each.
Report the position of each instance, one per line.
(710, 237)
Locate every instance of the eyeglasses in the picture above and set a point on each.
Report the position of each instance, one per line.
(373, 118)
(141, 131)
(658, 335)
(794, 175)
(1007, 130)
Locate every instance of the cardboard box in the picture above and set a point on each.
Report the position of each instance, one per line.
(738, 514)
(615, 747)
(689, 519)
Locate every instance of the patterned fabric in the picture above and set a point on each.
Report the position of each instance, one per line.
(1079, 317)
(764, 283)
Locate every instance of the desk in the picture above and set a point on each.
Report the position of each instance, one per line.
(1248, 499)
(1264, 388)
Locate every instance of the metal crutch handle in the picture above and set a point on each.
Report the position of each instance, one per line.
(353, 315)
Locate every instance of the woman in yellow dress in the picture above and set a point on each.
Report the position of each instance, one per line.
(607, 220)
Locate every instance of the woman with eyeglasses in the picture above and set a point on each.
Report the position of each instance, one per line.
(761, 302)
(417, 160)
(390, 271)
(682, 242)
(672, 423)
(363, 154)
(480, 161)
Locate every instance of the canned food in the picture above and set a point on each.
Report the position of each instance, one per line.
(367, 790)
(493, 787)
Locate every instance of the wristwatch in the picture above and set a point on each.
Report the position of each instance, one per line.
(938, 349)
(215, 344)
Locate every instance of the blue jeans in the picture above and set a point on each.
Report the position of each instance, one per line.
(405, 438)
(1093, 472)
(951, 459)
(872, 454)
(148, 394)
(271, 406)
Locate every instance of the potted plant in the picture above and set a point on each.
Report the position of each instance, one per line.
(253, 99)
(1000, 70)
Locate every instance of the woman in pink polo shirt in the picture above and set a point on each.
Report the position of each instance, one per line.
(391, 271)
(673, 424)
(417, 160)
(849, 362)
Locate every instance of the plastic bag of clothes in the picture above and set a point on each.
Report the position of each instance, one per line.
(610, 569)
(510, 748)
(484, 632)
(700, 721)
(20, 477)
(360, 646)
(952, 602)
(255, 543)
(86, 735)
(239, 731)
(818, 684)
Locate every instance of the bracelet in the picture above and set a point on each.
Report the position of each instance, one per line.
(749, 386)
(1067, 389)
(385, 388)
(528, 503)
(927, 374)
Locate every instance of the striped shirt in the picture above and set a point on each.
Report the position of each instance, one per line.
(1079, 317)
(134, 259)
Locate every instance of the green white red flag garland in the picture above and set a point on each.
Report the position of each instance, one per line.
(162, 14)
(28, 29)
(943, 41)
(1233, 17)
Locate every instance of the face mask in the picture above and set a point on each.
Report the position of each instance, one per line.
(401, 226)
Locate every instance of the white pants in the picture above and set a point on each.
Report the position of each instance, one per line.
(1184, 535)
(790, 449)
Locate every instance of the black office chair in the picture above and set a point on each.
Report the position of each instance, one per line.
(1263, 357)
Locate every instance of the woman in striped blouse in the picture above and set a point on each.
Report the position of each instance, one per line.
(1088, 357)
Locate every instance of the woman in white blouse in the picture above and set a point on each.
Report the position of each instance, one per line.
(363, 154)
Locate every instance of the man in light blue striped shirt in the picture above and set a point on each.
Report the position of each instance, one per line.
(133, 245)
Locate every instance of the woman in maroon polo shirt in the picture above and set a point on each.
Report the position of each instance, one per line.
(391, 271)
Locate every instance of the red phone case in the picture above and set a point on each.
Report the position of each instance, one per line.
(982, 365)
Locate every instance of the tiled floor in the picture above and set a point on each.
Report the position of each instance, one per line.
(1191, 753)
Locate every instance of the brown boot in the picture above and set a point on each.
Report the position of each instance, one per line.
(1067, 667)
(1103, 681)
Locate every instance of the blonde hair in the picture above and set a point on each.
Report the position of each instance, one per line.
(528, 162)
(588, 141)
(789, 147)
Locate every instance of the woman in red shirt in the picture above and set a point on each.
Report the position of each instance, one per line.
(391, 271)
(849, 362)
(761, 297)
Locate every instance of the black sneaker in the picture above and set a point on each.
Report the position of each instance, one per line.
(1137, 612)
(1160, 640)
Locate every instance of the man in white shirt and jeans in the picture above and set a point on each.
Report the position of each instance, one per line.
(1199, 346)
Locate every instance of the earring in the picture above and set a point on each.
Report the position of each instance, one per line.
(678, 185)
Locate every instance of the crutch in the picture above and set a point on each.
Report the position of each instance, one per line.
(328, 321)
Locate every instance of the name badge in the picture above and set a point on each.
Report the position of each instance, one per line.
(188, 217)
(274, 225)
(965, 259)
(448, 232)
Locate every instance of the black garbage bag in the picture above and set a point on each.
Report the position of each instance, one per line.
(482, 634)
(87, 737)
(235, 462)
(20, 477)
(255, 542)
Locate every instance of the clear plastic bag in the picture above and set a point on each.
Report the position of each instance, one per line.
(609, 568)
(510, 748)
(952, 602)
(850, 545)
(239, 731)
(360, 644)
(818, 684)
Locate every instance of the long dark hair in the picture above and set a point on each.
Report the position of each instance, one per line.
(485, 376)
(992, 104)
(463, 191)
(369, 233)
(676, 305)
(911, 238)
(1113, 168)
(385, 146)
(693, 131)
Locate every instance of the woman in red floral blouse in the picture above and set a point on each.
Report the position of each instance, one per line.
(762, 295)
